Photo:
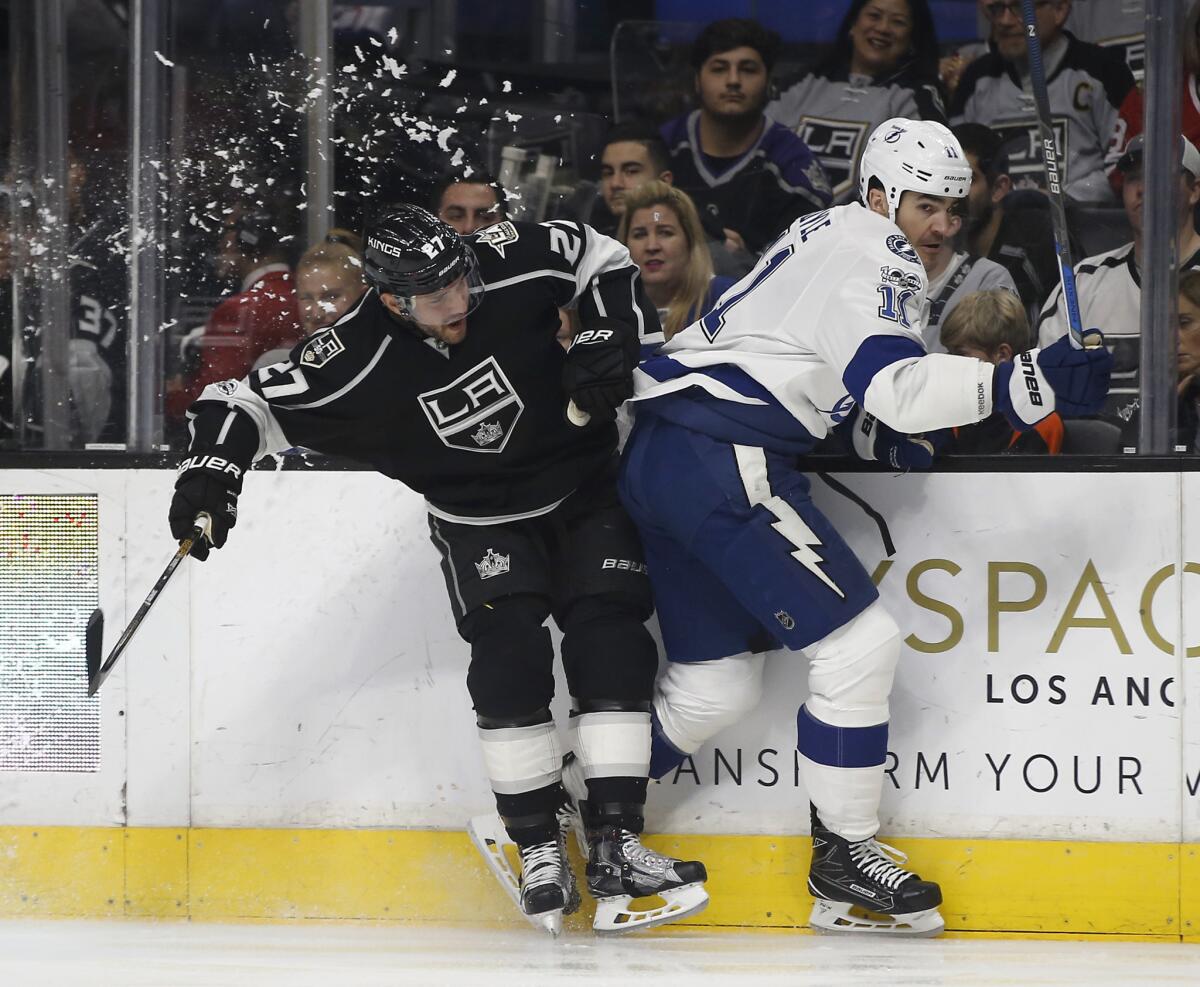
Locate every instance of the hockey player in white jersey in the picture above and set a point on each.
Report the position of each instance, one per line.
(824, 332)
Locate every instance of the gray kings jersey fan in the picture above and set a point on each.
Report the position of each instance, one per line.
(834, 117)
(479, 427)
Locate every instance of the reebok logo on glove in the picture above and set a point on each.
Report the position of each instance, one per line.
(215, 463)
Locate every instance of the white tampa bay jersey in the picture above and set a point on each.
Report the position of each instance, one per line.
(829, 317)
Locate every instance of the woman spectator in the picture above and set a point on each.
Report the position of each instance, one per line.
(329, 279)
(662, 230)
(883, 64)
(1188, 425)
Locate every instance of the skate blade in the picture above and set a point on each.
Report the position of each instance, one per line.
(490, 838)
(841, 917)
(614, 916)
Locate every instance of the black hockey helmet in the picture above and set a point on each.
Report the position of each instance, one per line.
(408, 251)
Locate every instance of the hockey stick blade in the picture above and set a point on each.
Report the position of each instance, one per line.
(96, 678)
(93, 644)
(1054, 174)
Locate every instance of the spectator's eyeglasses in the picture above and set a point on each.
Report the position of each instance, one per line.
(999, 8)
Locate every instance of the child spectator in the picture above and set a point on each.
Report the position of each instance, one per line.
(664, 236)
(883, 64)
(992, 326)
(329, 280)
(749, 176)
(261, 316)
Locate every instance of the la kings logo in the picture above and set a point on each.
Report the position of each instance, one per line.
(476, 412)
(322, 348)
(838, 146)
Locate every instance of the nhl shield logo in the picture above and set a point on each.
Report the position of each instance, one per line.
(492, 564)
(786, 621)
(322, 348)
(477, 411)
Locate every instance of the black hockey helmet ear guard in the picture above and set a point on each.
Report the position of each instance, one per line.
(408, 251)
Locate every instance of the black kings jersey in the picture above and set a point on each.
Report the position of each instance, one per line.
(478, 428)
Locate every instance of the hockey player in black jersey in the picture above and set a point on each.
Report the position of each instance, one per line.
(447, 376)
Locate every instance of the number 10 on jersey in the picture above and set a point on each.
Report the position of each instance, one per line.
(894, 300)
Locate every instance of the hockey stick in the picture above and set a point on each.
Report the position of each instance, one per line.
(97, 673)
(1058, 214)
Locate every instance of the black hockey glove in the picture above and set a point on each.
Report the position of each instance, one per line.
(875, 441)
(206, 484)
(598, 372)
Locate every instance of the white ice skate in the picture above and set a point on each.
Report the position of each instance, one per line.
(545, 890)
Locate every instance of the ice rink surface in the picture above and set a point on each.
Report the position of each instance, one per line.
(314, 954)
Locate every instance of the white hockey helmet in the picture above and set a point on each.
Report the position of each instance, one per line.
(914, 156)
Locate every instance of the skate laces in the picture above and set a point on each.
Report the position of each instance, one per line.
(877, 861)
(640, 855)
(540, 863)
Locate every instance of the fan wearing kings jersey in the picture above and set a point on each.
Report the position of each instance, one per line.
(447, 376)
(824, 333)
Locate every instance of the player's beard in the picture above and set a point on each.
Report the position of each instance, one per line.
(980, 220)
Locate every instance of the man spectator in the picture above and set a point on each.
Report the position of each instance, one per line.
(1011, 227)
(262, 315)
(1109, 285)
(992, 326)
(633, 155)
(749, 176)
(1086, 86)
(469, 203)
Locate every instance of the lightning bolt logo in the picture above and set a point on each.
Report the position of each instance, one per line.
(792, 527)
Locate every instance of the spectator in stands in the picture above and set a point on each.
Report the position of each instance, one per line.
(992, 326)
(953, 274)
(749, 176)
(1132, 121)
(883, 64)
(469, 203)
(633, 154)
(1086, 85)
(1119, 25)
(1011, 227)
(96, 346)
(262, 315)
(662, 230)
(1188, 420)
(329, 280)
(1109, 284)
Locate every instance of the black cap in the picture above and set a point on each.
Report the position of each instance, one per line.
(1136, 148)
(409, 251)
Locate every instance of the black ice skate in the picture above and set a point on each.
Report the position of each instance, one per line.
(859, 887)
(546, 890)
(620, 869)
